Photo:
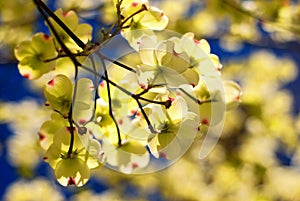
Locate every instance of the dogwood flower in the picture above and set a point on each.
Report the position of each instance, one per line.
(73, 168)
(233, 94)
(128, 157)
(82, 31)
(176, 128)
(83, 107)
(161, 64)
(33, 56)
(150, 18)
(199, 54)
(58, 93)
(49, 128)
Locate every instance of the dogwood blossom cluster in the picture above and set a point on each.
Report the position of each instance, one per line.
(119, 113)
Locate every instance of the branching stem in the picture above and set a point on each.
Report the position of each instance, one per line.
(118, 26)
(110, 103)
(42, 9)
(42, 6)
(199, 102)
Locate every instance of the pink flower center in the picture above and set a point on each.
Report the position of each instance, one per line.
(71, 181)
(134, 165)
(51, 83)
(26, 75)
(46, 37)
(205, 122)
(134, 4)
(41, 136)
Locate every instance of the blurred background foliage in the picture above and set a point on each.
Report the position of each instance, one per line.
(258, 155)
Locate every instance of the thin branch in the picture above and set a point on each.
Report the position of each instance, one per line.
(120, 25)
(70, 150)
(167, 103)
(96, 90)
(118, 6)
(110, 103)
(199, 102)
(78, 54)
(75, 62)
(56, 35)
(41, 5)
(148, 88)
(118, 63)
(144, 8)
(83, 53)
(152, 130)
